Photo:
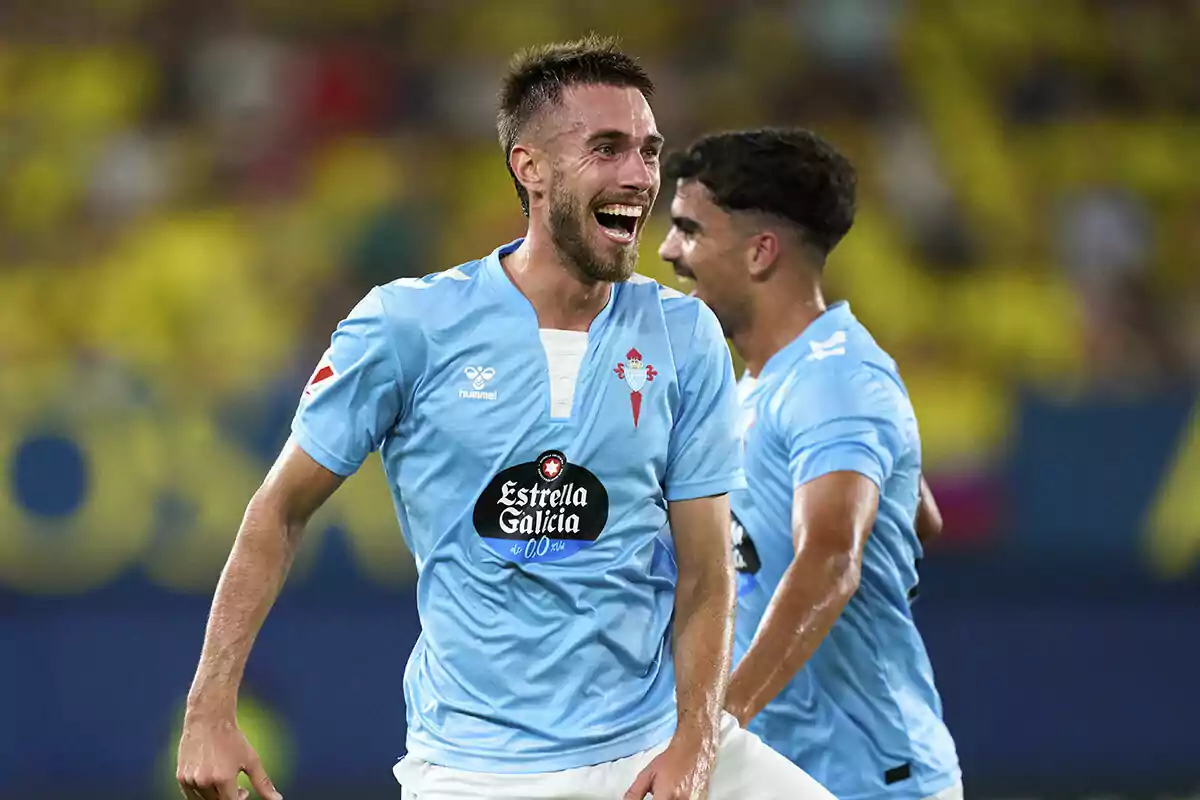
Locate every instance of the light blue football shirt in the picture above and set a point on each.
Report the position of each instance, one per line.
(546, 570)
(863, 716)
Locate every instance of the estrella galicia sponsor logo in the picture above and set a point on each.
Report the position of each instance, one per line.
(542, 510)
(745, 557)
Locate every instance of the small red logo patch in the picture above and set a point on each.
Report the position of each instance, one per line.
(550, 467)
(321, 374)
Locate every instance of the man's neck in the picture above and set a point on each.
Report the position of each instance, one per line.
(779, 317)
(562, 298)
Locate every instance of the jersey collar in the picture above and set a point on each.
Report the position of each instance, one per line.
(498, 278)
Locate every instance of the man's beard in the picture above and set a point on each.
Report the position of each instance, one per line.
(568, 231)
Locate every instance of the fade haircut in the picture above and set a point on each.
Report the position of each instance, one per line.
(791, 174)
(537, 76)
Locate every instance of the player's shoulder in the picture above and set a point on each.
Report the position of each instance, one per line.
(644, 289)
(403, 315)
(841, 353)
(837, 376)
(690, 325)
(682, 313)
(405, 308)
(449, 285)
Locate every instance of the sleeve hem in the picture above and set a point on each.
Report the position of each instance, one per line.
(322, 455)
(866, 465)
(690, 490)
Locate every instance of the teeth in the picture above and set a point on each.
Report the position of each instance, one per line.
(620, 210)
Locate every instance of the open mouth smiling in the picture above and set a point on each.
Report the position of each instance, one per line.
(619, 222)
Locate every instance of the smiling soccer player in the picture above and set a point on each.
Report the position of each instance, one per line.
(558, 434)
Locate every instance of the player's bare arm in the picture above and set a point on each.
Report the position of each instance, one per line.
(213, 751)
(704, 604)
(929, 516)
(831, 519)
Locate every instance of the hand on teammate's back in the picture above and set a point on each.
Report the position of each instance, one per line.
(212, 754)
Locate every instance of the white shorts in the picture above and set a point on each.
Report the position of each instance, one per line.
(954, 792)
(746, 769)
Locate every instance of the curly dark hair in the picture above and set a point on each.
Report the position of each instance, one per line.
(792, 174)
(537, 76)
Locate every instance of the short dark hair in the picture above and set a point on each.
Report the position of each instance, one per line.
(789, 173)
(537, 76)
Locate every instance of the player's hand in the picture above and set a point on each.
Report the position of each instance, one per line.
(680, 772)
(212, 753)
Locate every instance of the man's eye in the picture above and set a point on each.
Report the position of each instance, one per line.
(606, 150)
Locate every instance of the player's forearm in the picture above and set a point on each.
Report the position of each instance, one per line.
(250, 582)
(704, 607)
(811, 595)
(929, 516)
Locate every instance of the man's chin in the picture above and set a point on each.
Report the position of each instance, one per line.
(617, 273)
(613, 270)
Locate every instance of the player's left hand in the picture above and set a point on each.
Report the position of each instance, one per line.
(680, 772)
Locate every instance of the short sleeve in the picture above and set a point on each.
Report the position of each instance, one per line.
(355, 394)
(704, 454)
(842, 425)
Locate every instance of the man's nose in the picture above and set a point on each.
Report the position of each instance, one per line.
(636, 174)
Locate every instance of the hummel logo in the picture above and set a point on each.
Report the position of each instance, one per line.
(479, 376)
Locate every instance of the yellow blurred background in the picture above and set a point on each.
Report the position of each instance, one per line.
(194, 193)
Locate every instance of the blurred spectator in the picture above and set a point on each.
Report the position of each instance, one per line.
(1104, 234)
(344, 88)
(133, 174)
(853, 46)
(1105, 242)
(1047, 90)
(244, 86)
(920, 196)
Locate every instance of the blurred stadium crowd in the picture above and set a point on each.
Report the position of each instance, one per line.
(195, 191)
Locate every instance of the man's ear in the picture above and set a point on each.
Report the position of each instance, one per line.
(528, 165)
(763, 253)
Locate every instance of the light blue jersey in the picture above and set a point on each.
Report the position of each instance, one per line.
(538, 522)
(863, 716)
